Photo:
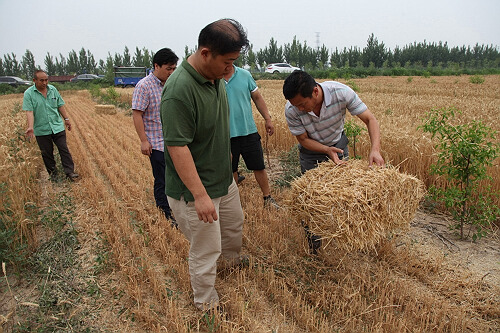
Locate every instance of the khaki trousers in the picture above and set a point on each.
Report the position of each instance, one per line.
(208, 241)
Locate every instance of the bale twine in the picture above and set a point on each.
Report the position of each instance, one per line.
(355, 205)
(105, 109)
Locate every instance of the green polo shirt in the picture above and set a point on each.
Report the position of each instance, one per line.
(45, 110)
(195, 113)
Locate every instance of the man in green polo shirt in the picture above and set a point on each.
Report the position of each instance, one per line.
(45, 111)
(200, 187)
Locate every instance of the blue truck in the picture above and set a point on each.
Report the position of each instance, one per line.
(129, 76)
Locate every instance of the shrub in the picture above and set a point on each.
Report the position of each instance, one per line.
(476, 79)
(353, 130)
(464, 153)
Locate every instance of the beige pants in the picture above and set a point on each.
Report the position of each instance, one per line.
(208, 241)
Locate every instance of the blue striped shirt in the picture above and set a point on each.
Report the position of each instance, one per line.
(327, 128)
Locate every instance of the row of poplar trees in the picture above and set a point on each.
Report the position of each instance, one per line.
(374, 54)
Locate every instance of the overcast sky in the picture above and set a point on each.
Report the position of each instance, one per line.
(102, 26)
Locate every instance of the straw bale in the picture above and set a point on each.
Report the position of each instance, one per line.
(355, 205)
(105, 109)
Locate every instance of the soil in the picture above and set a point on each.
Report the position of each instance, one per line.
(481, 258)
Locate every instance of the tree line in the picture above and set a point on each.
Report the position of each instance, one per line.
(374, 56)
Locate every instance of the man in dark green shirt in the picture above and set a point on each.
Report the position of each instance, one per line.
(199, 183)
(44, 108)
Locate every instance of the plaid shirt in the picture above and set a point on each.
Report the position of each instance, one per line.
(146, 98)
(327, 128)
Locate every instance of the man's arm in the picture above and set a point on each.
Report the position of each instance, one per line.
(146, 147)
(374, 131)
(260, 103)
(64, 114)
(308, 143)
(31, 122)
(186, 169)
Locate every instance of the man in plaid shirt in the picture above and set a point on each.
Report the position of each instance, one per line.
(146, 115)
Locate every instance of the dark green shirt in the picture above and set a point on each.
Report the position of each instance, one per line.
(45, 110)
(195, 113)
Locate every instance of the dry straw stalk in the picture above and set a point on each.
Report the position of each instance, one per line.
(354, 205)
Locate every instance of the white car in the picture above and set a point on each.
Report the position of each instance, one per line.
(280, 68)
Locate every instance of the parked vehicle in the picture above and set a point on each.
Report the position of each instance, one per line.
(129, 76)
(60, 78)
(14, 81)
(280, 68)
(84, 78)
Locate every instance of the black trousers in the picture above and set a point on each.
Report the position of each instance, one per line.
(46, 144)
(309, 159)
(157, 159)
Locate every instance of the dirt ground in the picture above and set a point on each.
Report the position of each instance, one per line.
(481, 258)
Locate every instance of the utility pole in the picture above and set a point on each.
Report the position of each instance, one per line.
(317, 40)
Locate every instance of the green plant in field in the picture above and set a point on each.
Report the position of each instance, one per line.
(409, 79)
(290, 164)
(353, 130)
(464, 153)
(352, 84)
(476, 79)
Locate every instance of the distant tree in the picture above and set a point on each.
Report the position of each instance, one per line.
(73, 64)
(110, 71)
(82, 62)
(188, 52)
(138, 59)
(2, 69)
(28, 65)
(91, 63)
(273, 53)
(291, 52)
(101, 67)
(50, 65)
(61, 65)
(323, 56)
(147, 58)
(11, 65)
(374, 52)
(126, 60)
(251, 58)
(118, 60)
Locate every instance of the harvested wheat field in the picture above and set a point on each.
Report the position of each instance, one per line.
(421, 278)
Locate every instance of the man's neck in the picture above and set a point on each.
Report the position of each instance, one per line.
(194, 61)
(319, 101)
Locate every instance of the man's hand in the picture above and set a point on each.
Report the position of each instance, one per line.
(68, 124)
(376, 158)
(332, 153)
(205, 209)
(146, 148)
(269, 127)
(29, 133)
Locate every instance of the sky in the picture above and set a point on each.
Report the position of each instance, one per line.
(107, 26)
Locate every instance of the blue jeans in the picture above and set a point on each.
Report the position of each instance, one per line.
(157, 159)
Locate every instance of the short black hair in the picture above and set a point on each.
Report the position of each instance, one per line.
(165, 56)
(298, 82)
(223, 36)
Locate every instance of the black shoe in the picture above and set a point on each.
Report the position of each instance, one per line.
(72, 176)
(169, 216)
(240, 178)
(269, 202)
(314, 241)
